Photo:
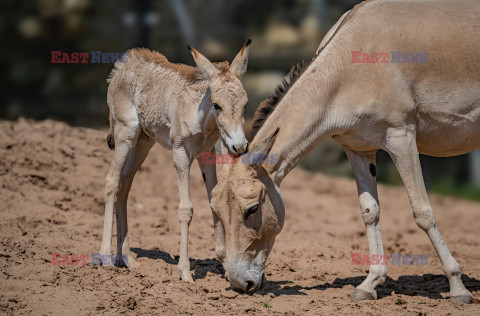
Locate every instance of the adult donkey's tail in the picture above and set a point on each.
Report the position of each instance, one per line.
(110, 138)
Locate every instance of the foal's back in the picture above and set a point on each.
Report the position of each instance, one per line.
(160, 93)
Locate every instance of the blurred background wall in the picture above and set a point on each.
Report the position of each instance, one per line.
(283, 33)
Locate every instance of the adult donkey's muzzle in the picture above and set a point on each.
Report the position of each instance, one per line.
(246, 281)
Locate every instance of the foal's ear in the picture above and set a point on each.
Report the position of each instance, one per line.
(239, 64)
(259, 151)
(206, 67)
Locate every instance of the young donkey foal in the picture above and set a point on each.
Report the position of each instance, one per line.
(402, 108)
(184, 109)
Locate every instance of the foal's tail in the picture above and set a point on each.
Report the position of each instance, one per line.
(110, 138)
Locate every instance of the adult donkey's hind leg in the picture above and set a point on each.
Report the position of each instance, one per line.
(136, 159)
(364, 170)
(126, 134)
(402, 147)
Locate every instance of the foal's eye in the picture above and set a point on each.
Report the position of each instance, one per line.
(252, 210)
(216, 106)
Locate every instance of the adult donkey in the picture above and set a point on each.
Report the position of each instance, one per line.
(403, 108)
(183, 108)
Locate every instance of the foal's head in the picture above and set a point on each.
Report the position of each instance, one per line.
(228, 97)
(251, 210)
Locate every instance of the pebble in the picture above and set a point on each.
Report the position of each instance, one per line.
(271, 295)
(230, 294)
(213, 296)
(165, 279)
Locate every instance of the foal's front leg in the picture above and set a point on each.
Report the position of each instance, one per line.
(182, 161)
(364, 171)
(209, 174)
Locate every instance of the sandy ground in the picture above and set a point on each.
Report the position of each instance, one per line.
(51, 201)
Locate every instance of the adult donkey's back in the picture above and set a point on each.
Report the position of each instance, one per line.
(371, 86)
(183, 108)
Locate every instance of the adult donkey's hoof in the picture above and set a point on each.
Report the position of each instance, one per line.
(465, 299)
(185, 276)
(361, 295)
(131, 263)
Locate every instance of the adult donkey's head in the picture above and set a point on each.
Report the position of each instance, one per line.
(251, 210)
(227, 95)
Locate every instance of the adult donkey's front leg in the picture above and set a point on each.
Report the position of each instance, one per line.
(182, 161)
(364, 170)
(209, 174)
(402, 147)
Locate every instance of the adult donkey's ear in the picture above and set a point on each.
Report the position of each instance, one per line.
(239, 64)
(206, 67)
(260, 151)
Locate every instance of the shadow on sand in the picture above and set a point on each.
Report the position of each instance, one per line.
(427, 285)
(199, 267)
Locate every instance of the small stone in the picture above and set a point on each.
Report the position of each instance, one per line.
(170, 283)
(271, 295)
(230, 294)
(130, 303)
(213, 296)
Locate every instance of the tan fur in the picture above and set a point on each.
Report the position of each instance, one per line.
(188, 72)
(153, 100)
(404, 109)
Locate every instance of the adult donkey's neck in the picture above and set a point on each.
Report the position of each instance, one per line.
(303, 116)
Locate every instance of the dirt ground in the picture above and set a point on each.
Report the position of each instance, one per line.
(51, 201)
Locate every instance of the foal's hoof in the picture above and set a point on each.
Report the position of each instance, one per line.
(465, 299)
(103, 259)
(361, 295)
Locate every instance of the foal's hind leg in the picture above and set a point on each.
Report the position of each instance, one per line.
(137, 157)
(126, 133)
(364, 171)
(402, 147)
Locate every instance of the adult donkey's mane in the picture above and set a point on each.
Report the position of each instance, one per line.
(268, 105)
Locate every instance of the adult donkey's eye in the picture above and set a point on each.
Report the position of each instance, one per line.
(217, 107)
(252, 210)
